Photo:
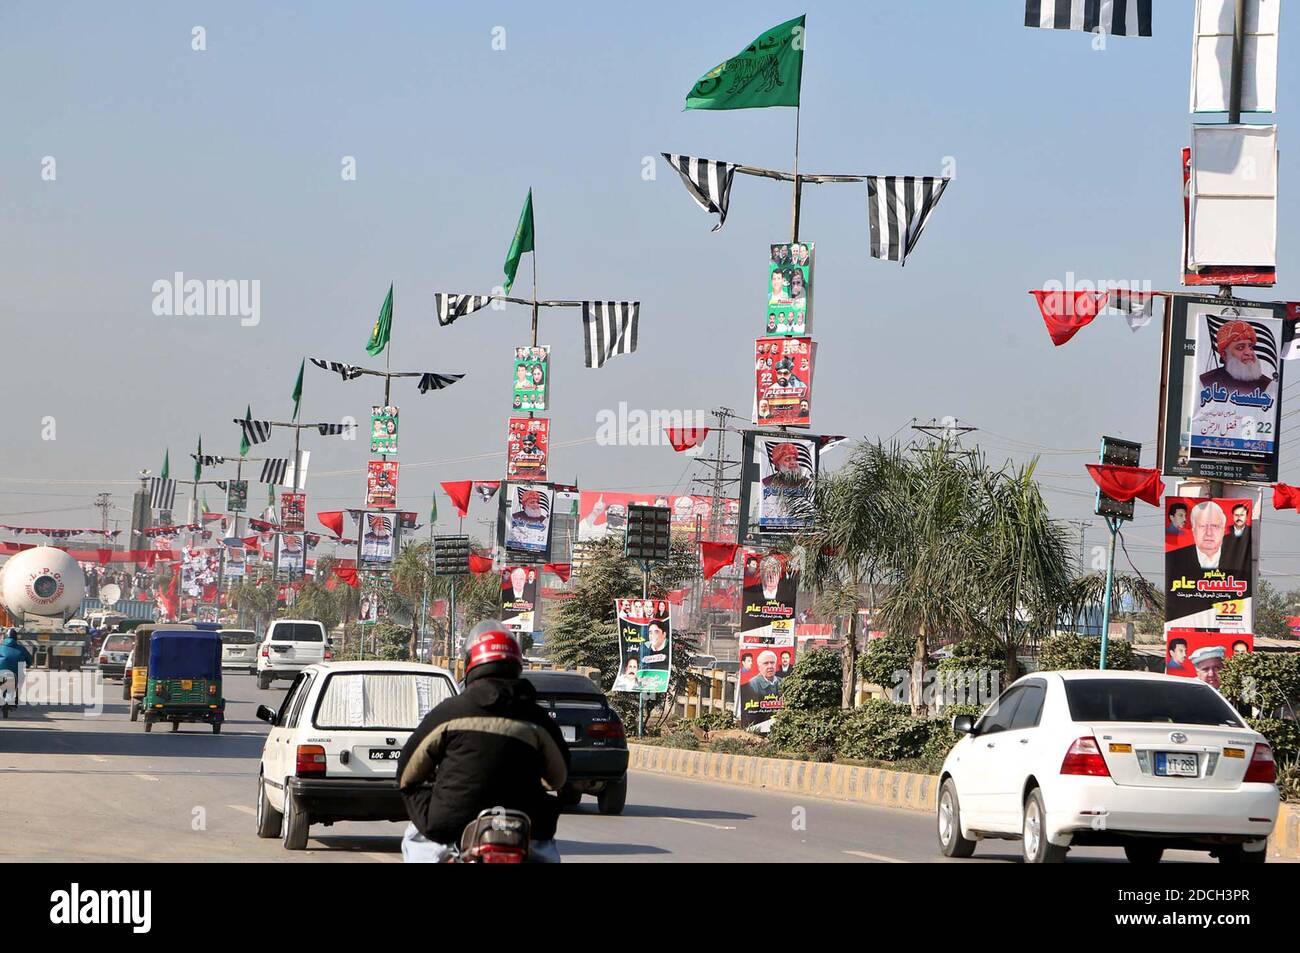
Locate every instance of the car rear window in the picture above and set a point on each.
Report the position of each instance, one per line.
(238, 637)
(1172, 700)
(297, 632)
(118, 643)
(394, 701)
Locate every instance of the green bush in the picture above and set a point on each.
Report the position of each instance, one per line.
(942, 737)
(880, 731)
(1283, 736)
(1288, 780)
(1267, 681)
(803, 731)
(680, 740)
(815, 683)
(884, 660)
(1069, 651)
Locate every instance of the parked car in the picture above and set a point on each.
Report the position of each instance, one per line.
(239, 649)
(289, 646)
(331, 754)
(595, 735)
(1096, 758)
(113, 654)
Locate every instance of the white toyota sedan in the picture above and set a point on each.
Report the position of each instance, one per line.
(1143, 761)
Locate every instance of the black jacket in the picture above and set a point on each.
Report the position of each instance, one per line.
(490, 746)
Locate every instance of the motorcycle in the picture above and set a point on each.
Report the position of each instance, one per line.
(496, 836)
(8, 692)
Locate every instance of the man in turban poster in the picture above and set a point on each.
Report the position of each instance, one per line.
(1239, 370)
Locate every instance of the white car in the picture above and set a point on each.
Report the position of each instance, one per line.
(114, 653)
(1144, 761)
(331, 754)
(239, 649)
(289, 646)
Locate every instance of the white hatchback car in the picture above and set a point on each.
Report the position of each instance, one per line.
(331, 754)
(1144, 761)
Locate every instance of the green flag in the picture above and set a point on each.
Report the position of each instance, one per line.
(521, 243)
(203, 509)
(297, 388)
(383, 328)
(243, 441)
(167, 466)
(766, 73)
(433, 510)
(198, 461)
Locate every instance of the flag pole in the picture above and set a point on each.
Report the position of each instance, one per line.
(794, 237)
(534, 208)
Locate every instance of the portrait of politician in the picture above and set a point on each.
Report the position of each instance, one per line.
(1208, 551)
(1240, 370)
(1236, 540)
(765, 682)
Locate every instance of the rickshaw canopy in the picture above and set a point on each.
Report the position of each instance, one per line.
(187, 653)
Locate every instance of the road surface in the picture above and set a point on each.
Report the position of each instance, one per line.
(88, 788)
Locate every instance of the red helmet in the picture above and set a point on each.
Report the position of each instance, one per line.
(490, 642)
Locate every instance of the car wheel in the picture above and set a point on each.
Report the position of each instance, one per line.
(176, 726)
(296, 823)
(216, 729)
(269, 820)
(570, 797)
(951, 841)
(612, 799)
(1037, 849)
(148, 725)
(264, 682)
(126, 689)
(135, 710)
(1143, 853)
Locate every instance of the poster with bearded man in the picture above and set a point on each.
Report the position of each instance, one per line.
(1207, 573)
(778, 479)
(1223, 399)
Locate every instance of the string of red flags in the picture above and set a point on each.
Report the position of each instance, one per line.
(1128, 483)
(1066, 312)
(60, 533)
(716, 556)
(428, 380)
(1286, 497)
(458, 491)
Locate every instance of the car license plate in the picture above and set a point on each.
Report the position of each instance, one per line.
(187, 685)
(1171, 765)
(385, 754)
(569, 732)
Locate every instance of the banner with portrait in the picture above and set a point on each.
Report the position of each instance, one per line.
(235, 565)
(789, 290)
(381, 484)
(236, 496)
(372, 589)
(778, 480)
(200, 569)
(771, 583)
(783, 376)
(519, 598)
(1208, 565)
(1223, 393)
(291, 554)
(377, 546)
(527, 445)
(293, 512)
(383, 429)
(645, 646)
(601, 512)
(1191, 653)
(526, 519)
(532, 377)
(766, 661)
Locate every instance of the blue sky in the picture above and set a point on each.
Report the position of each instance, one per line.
(226, 163)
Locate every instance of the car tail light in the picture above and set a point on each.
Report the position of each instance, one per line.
(212, 688)
(266, 653)
(1084, 757)
(329, 654)
(1262, 768)
(311, 760)
(103, 659)
(605, 730)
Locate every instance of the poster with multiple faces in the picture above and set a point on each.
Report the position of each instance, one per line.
(645, 646)
(789, 290)
(767, 634)
(519, 597)
(383, 429)
(1208, 565)
(601, 512)
(293, 512)
(783, 376)
(778, 480)
(532, 377)
(1191, 653)
(527, 445)
(237, 496)
(381, 484)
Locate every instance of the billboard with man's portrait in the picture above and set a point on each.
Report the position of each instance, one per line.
(381, 484)
(778, 480)
(789, 290)
(527, 445)
(525, 519)
(532, 376)
(645, 646)
(519, 597)
(383, 429)
(377, 547)
(291, 554)
(1190, 653)
(1208, 566)
(783, 377)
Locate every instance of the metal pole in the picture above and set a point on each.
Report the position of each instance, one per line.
(451, 622)
(798, 186)
(1112, 523)
(530, 192)
(640, 696)
(1238, 61)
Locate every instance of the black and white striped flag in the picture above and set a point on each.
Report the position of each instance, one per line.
(333, 430)
(162, 493)
(348, 372)
(433, 381)
(708, 181)
(609, 328)
(255, 431)
(450, 306)
(1113, 17)
(899, 206)
(206, 460)
(274, 470)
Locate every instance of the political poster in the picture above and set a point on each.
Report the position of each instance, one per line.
(783, 376)
(770, 585)
(789, 290)
(527, 518)
(371, 591)
(237, 496)
(293, 512)
(778, 480)
(291, 554)
(645, 647)
(383, 429)
(532, 377)
(1191, 653)
(381, 484)
(377, 546)
(1208, 566)
(527, 445)
(1222, 399)
(235, 564)
(519, 597)
(767, 634)
(601, 512)
(200, 569)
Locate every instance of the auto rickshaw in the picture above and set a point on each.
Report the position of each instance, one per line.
(135, 678)
(184, 680)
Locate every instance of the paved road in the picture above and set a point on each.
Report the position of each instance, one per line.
(97, 788)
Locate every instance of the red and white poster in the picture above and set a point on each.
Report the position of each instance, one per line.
(783, 375)
(381, 484)
(1190, 653)
(519, 597)
(293, 512)
(1208, 564)
(767, 636)
(526, 448)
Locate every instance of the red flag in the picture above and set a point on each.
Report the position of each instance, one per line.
(103, 556)
(478, 565)
(169, 600)
(459, 492)
(1286, 497)
(347, 574)
(332, 520)
(683, 438)
(716, 557)
(563, 570)
(677, 596)
(1128, 483)
(1065, 312)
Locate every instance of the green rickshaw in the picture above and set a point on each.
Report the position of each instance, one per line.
(184, 680)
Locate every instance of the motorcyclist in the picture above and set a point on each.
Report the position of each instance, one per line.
(12, 655)
(490, 746)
